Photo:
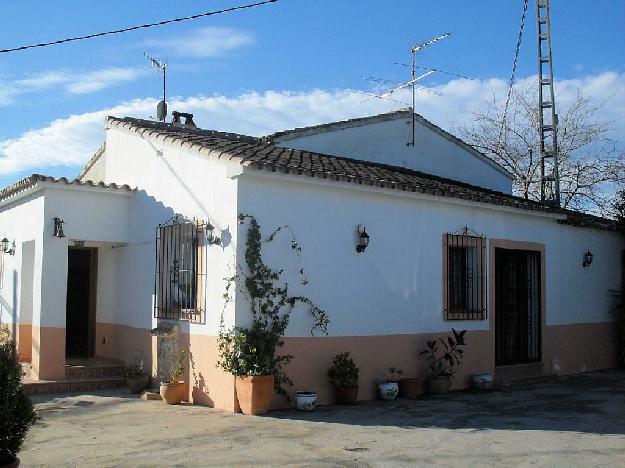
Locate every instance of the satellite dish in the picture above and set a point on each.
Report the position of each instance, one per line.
(161, 111)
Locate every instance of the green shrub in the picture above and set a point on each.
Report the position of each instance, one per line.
(344, 372)
(444, 356)
(16, 410)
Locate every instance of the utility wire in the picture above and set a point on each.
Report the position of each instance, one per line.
(514, 63)
(134, 28)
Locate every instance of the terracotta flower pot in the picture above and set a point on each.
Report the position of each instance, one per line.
(137, 384)
(346, 395)
(172, 393)
(409, 388)
(254, 393)
(439, 385)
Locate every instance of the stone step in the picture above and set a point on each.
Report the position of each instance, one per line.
(72, 385)
(519, 374)
(73, 372)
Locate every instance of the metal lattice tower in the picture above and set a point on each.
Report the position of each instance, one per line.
(549, 176)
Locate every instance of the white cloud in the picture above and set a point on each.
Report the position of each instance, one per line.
(204, 42)
(70, 82)
(101, 79)
(71, 141)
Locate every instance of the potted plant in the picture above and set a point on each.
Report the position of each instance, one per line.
(444, 357)
(16, 410)
(136, 378)
(251, 353)
(344, 378)
(409, 388)
(253, 367)
(172, 389)
(389, 388)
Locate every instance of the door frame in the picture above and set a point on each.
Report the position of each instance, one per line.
(516, 245)
(93, 296)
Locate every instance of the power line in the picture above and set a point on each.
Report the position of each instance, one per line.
(514, 63)
(134, 28)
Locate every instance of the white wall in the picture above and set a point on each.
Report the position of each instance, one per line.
(180, 181)
(396, 285)
(21, 222)
(385, 142)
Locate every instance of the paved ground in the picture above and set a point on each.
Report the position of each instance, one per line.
(578, 421)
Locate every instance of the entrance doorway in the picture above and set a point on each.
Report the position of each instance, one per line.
(517, 306)
(81, 300)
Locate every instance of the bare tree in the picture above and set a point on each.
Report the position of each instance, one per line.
(590, 164)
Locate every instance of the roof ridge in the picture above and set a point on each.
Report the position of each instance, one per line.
(30, 181)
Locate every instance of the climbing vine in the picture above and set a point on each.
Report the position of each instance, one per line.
(254, 350)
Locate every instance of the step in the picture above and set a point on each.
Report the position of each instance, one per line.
(71, 385)
(511, 374)
(73, 372)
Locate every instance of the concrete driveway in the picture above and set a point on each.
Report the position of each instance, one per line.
(577, 421)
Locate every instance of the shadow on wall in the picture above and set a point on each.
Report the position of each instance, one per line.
(587, 403)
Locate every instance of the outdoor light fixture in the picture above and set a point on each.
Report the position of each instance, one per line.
(58, 228)
(6, 247)
(363, 239)
(588, 256)
(211, 237)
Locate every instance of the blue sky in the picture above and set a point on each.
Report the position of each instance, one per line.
(273, 67)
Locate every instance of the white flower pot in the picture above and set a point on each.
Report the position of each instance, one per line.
(388, 391)
(305, 401)
(482, 381)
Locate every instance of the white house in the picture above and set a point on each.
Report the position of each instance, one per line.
(449, 247)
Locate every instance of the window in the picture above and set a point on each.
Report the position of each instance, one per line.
(179, 278)
(464, 272)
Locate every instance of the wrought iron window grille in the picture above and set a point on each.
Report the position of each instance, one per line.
(465, 295)
(180, 270)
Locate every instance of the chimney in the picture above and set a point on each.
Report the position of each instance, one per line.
(188, 120)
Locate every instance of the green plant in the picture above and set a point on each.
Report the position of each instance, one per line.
(177, 372)
(444, 356)
(5, 334)
(395, 374)
(246, 351)
(16, 411)
(344, 372)
(134, 370)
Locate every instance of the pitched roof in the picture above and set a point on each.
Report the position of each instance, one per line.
(260, 154)
(403, 113)
(31, 181)
(99, 152)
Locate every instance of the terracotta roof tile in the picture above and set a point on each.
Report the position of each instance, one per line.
(264, 155)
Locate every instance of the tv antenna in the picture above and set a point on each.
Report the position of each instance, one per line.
(161, 107)
(412, 83)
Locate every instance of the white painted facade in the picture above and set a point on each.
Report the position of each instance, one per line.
(395, 287)
(385, 139)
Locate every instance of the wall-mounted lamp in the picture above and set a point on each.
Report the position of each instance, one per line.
(5, 245)
(58, 228)
(211, 237)
(588, 256)
(363, 239)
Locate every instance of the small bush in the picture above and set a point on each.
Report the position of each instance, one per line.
(16, 409)
(344, 372)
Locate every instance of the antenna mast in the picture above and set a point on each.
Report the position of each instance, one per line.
(161, 108)
(548, 119)
(414, 79)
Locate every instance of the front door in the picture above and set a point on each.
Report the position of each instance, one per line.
(80, 308)
(517, 306)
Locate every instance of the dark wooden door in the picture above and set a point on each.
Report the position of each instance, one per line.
(80, 305)
(517, 307)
